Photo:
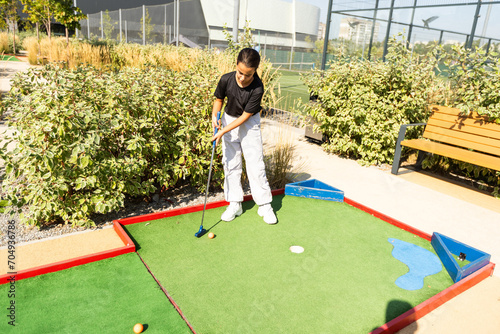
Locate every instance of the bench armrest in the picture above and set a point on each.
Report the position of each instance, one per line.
(404, 126)
(397, 151)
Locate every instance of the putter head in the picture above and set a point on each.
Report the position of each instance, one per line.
(200, 232)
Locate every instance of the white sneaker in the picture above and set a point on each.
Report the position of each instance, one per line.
(233, 210)
(266, 212)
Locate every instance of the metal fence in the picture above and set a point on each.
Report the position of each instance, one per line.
(170, 23)
(356, 28)
(368, 25)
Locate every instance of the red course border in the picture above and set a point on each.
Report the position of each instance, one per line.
(434, 302)
(128, 247)
(391, 327)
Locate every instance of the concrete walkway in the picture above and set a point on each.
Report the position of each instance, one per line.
(425, 202)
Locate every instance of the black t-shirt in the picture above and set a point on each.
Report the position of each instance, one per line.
(240, 99)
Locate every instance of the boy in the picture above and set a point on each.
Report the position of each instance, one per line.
(241, 134)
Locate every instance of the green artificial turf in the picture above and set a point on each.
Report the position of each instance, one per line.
(108, 296)
(292, 88)
(461, 263)
(246, 280)
(8, 58)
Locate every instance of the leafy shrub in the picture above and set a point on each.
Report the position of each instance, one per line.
(473, 85)
(362, 103)
(3, 204)
(474, 78)
(87, 138)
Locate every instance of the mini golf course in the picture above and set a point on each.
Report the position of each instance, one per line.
(246, 280)
(107, 296)
(356, 273)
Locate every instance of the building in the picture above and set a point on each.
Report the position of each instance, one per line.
(357, 30)
(321, 31)
(277, 24)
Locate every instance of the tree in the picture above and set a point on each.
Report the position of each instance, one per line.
(34, 16)
(40, 11)
(68, 15)
(8, 9)
(147, 24)
(108, 25)
(245, 39)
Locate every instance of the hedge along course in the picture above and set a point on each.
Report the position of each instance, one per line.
(87, 138)
(362, 104)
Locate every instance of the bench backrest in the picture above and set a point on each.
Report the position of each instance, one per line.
(446, 125)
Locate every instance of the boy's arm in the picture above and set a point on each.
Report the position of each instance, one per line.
(234, 124)
(218, 103)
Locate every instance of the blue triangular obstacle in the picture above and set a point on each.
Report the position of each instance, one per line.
(446, 247)
(313, 188)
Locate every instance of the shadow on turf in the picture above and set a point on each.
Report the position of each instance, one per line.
(276, 204)
(394, 309)
(211, 227)
(137, 246)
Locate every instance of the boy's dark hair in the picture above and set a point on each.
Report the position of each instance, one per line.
(249, 57)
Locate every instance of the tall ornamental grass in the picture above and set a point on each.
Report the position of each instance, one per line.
(4, 43)
(71, 55)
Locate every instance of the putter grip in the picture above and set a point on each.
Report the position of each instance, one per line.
(215, 132)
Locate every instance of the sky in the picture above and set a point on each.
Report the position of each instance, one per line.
(459, 18)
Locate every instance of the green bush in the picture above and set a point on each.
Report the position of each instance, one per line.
(474, 81)
(88, 138)
(362, 103)
(473, 86)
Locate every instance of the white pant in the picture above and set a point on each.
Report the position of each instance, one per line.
(246, 138)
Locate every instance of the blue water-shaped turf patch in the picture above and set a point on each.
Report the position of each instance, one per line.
(420, 262)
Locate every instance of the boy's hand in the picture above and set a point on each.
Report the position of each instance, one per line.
(215, 123)
(217, 137)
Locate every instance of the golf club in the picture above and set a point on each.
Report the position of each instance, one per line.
(202, 231)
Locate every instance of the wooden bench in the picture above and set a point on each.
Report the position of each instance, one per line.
(470, 138)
